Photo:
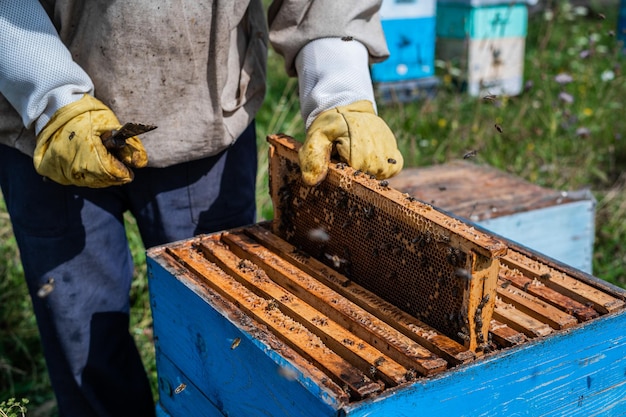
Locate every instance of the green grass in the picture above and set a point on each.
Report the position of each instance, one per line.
(545, 140)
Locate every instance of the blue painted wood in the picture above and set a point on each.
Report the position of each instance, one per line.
(411, 44)
(581, 372)
(578, 372)
(621, 25)
(178, 396)
(197, 333)
(563, 232)
(494, 21)
(160, 412)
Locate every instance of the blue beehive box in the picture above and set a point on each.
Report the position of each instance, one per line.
(485, 40)
(409, 27)
(621, 25)
(247, 324)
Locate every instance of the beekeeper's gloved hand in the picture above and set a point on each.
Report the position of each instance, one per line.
(69, 149)
(338, 106)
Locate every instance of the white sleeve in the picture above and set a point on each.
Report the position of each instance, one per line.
(37, 73)
(332, 72)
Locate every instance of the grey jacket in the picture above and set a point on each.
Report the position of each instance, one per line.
(195, 68)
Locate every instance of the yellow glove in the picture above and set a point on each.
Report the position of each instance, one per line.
(362, 139)
(69, 149)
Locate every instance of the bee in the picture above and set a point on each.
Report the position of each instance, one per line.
(318, 235)
(180, 388)
(526, 286)
(379, 361)
(392, 161)
(505, 284)
(484, 301)
(384, 183)
(369, 234)
(498, 127)
(271, 305)
(373, 371)
(470, 154)
(411, 374)
(235, 343)
(337, 261)
(346, 283)
(545, 276)
(463, 273)
(369, 212)
(357, 173)
(347, 38)
(46, 288)
(287, 373)
(72, 134)
(490, 97)
(463, 336)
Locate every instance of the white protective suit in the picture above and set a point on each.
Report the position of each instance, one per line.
(202, 91)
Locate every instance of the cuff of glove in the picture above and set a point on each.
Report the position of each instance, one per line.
(68, 112)
(332, 72)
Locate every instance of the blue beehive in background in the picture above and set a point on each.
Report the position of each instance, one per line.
(485, 41)
(621, 25)
(409, 27)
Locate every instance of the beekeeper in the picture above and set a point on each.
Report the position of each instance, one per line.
(72, 70)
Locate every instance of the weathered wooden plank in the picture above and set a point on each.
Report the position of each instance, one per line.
(198, 328)
(292, 332)
(547, 294)
(504, 336)
(357, 351)
(364, 325)
(578, 373)
(563, 283)
(440, 344)
(536, 308)
(516, 319)
(501, 194)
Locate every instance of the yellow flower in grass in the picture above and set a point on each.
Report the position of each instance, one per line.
(442, 123)
(587, 111)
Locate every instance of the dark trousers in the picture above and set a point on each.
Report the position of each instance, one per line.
(74, 237)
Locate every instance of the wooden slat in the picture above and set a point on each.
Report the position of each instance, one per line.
(504, 336)
(433, 340)
(547, 294)
(303, 341)
(519, 320)
(561, 282)
(363, 324)
(336, 337)
(536, 308)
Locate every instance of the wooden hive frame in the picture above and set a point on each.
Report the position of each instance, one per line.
(432, 266)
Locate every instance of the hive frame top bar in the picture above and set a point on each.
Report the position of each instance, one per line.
(476, 239)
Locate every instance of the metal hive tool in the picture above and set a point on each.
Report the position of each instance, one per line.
(428, 264)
